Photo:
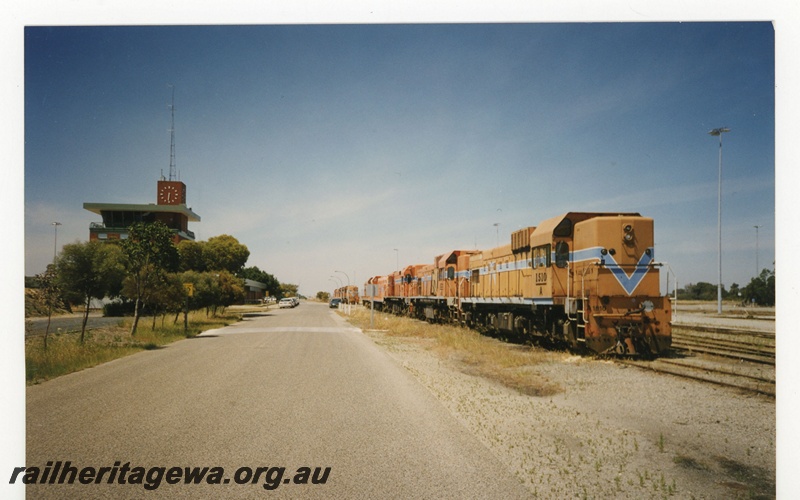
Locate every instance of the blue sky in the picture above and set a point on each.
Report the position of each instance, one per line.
(325, 147)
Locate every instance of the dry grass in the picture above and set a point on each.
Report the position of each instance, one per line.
(65, 353)
(509, 364)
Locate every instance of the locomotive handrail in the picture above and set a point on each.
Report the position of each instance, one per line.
(614, 315)
(674, 300)
(602, 263)
(569, 297)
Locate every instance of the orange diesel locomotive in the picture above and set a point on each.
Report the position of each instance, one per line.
(347, 294)
(588, 280)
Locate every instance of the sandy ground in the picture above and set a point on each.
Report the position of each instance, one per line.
(614, 432)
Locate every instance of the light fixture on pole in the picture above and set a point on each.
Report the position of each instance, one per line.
(345, 275)
(55, 239)
(719, 132)
(497, 232)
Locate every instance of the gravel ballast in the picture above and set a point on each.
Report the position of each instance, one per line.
(615, 431)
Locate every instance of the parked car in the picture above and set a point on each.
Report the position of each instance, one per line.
(286, 302)
(335, 303)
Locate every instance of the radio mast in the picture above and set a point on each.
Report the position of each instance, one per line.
(172, 168)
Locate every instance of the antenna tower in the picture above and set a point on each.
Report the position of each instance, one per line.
(172, 168)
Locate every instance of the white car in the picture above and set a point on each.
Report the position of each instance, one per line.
(286, 302)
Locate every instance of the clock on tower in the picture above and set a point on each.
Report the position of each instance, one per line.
(171, 193)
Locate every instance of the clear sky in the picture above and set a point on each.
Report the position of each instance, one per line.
(324, 148)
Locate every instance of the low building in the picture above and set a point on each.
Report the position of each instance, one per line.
(254, 291)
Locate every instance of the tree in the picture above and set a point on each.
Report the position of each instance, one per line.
(203, 293)
(761, 290)
(89, 270)
(177, 298)
(288, 290)
(191, 256)
(168, 295)
(323, 296)
(734, 291)
(225, 253)
(49, 293)
(230, 290)
(699, 291)
(149, 253)
(213, 290)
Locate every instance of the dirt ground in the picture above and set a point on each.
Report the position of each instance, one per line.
(615, 431)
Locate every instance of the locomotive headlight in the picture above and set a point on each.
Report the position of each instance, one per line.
(628, 237)
(648, 306)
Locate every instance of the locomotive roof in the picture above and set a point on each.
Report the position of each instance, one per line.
(547, 226)
(450, 257)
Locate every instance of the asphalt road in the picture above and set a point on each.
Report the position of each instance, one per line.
(68, 323)
(294, 388)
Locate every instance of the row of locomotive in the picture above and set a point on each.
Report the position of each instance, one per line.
(587, 280)
(347, 294)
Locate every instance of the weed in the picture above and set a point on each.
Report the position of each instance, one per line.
(511, 365)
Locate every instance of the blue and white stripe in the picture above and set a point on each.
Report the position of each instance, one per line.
(628, 282)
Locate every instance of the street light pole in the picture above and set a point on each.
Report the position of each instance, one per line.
(397, 259)
(345, 275)
(719, 132)
(55, 239)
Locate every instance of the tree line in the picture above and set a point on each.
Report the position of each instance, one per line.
(760, 291)
(147, 273)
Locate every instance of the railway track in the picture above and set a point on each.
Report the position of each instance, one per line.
(756, 347)
(723, 356)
